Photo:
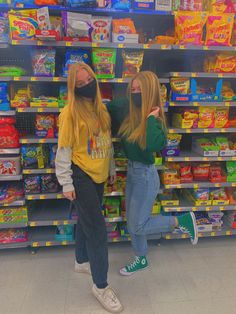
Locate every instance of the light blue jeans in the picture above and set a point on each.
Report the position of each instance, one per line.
(142, 187)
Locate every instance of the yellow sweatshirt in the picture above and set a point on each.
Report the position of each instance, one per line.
(92, 153)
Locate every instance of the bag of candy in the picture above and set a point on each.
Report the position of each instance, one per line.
(34, 156)
(49, 183)
(225, 63)
(191, 5)
(101, 26)
(123, 26)
(74, 56)
(132, 62)
(43, 62)
(189, 27)
(77, 25)
(32, 184)
(104, 60)
(44, 125)
(206, 117)
(4, 28)
(219, 29)
(221, 117)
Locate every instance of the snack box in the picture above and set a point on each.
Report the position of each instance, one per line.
(227, 153)
(196, 202)
(167, 152)
(206, 97)
(165, 5)
(48, 35)
(178, 121)
(144, 5)
(205, 228)
(125, 38)
(41, 102)
(13, 219)
(13, 211)
(10, 166)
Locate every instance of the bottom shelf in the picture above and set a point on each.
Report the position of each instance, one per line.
(220, 233)
(14, 245)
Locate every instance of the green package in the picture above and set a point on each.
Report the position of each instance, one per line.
(104, 60)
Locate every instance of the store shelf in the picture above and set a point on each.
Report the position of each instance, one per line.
(38, 171)
(202, 75)
(223, 232)
(199, 185)
(14, 245)
(191, 156)
(202, 48)
(203, 104)
(197, 131)
(13, 204)
(12, 225)
(9, 151)
(33, 110)
(186, 206)
(33, 140)
(10, 178)
(7, 113)
(89, 44)
(114, 194)
(49, 196)
(3, 46)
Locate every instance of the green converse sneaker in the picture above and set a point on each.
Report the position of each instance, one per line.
(187, 224)
(140, 263)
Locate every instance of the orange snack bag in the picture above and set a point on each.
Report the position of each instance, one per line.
(189, 27)
(123, 26)
(219, 29)
(221, 117)
(225, 63)
(206, 117)
(217, 6)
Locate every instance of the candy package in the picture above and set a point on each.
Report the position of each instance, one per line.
(62, 101)
(77, 25)
(81, 3)
(222, 142)
(185, 171)
(49, 183)
(10, 166)
(201, 194)
(225, 63)
(216, 174)
(191, 5)
(219, 29)
(104, 60)
(34, 156)
(163, 92)
(231, 171)
(228, 93)
(123, 26)
(44, 125)
(121, 5)
(189, 27)
(180, 85)
(132, 62)
(221, 117)
(22, 98)
(206, 117)
(4, 28)
(201, 172)
(101, 26)
(74, 56)
(10, 192)
(32, 184)
(4, 97)
(13, 236)
(11, 71)
(43, 62)
(23, 24)
(9, 136)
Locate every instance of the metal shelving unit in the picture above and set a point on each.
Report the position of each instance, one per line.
(191, 156)
(197, 131)
(200, 185)
(223, 232)
(203, 104)
(201, 75)
(32, 140)
(10, 178)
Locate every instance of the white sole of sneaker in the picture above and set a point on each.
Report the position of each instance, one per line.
(195, 240)
(103, 305)
(124, 273)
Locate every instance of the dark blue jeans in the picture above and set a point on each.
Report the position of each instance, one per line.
(91, 234)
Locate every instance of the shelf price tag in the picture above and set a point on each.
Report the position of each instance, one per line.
(64, 243)
(220, 158)
(182, 47)
(121, 45)
(233, 158)
(233, 184)
(65, 222)
(220, 75)
(200, 235)
(168, 237)
(120, 80)
(41, 109)
(222, 208)
(164, 47)
(213, 234)
(20, 109)
(33, 78)
(217, 185)
(188, 131)
(55, 223)
(186, 159)
(33, 224)
(205, 48)
(56, 79)
(170, 159)
(171, 131)
(48, 243)
(116, 240)
(184, 236)
(30, 197)
(208, 209)
(146, 46)
(179, 209)
(59, 196)
(194, 74)
(228, 233)
(40, 43)
(195, 186)
(227, 103)
(42, 197)
(42, 140)
(94, 45)
(194, 209)
(195, 104)
(35, 244)
(16, 78)
(205, 159)
(223, 130)
(205, 131)
(69, 43)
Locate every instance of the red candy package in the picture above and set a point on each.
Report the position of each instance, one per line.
(201, 172)
(9, 136)
(216, 174)
(186, 175)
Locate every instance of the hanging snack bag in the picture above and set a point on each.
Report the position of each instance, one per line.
(225, 63)
(132, 62)
(206, 117)
(219, 29)
(23, 24)
(104, 60)
(44, 125)
(77, 26)
(49, 183)
(43, 62)
(123, 26)
(101, 26)
(189, 27)
(74, 56)
(221, 117)
(32, 185)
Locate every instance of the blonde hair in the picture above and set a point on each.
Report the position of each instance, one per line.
(134, 126)
(78, 107)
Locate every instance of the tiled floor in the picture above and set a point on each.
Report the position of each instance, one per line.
(181, 280)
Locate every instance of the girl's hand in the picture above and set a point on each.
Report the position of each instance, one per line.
(70, 195)
(155, 112)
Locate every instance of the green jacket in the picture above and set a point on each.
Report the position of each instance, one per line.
(156, 138)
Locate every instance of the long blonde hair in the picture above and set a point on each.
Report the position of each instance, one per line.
(134, 126)
(79, 107)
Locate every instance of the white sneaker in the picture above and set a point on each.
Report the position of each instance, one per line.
(82, 268)
(108, 299)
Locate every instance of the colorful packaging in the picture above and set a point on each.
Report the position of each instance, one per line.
(11, 71)
(43, 62)
(4, 27)
(222, 142)
(191, 5)
(112, 207)
(52, 155)
(44, 125)
(10, 192)
(32, 184)
(10, 166)
(185, 171)
(74, 56)
(104, 60)
(189, 27)
(180, 85)
(49, 183)
(163, 94)
(22, 98)
(34, 156)
(228, 93)
(123, 26)
(225, 63)
(13, 236)
(132, 62)
(101, 26)
(121, 5)
(43, 19)
(9, 136)
(206, 117)
(219, 29)
(77, 25)
(144, 4)
(201, 172)
(186, 119)
(221, 117)
(216, 174)
(23, 24)
(4, 97)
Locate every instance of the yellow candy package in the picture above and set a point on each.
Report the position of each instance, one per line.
(180, 85)
(132, 62)
(189, 27)
(206, 117)
(217, 6)
(228, 93)
(221, 117)
(225, 63)
(219, 29)
(163, 94)
(23, 24)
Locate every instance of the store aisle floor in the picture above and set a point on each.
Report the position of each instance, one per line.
(181, 279)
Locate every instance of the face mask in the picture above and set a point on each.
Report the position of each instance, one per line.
(137, 99)
(87, 91)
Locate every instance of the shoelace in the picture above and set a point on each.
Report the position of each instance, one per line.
(184, 229)
(110, 294)
(133, 265)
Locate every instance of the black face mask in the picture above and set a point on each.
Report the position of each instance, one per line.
(87, 91)
(137, 99)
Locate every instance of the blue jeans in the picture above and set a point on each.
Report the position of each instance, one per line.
(142, 187)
